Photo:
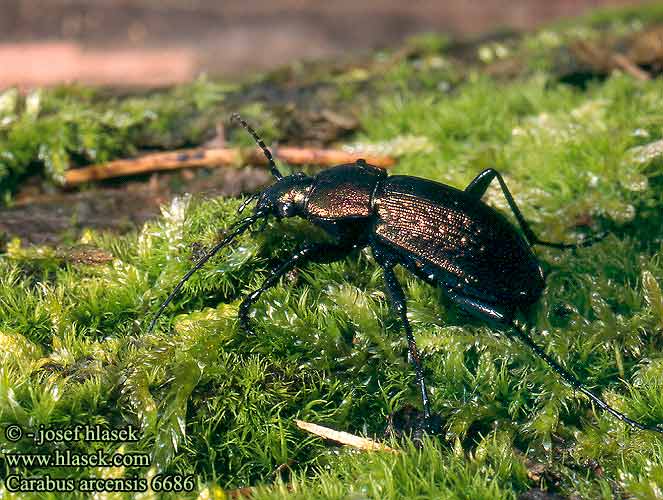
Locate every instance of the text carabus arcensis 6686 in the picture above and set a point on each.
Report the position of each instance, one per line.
(445, 236)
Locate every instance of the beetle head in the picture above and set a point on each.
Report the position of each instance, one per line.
(286, 197)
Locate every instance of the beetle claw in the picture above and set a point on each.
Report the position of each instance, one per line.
(245, 325)
(412, 423)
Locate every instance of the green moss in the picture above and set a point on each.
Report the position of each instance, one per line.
(491, 471)
(216, 402)
(48, 131)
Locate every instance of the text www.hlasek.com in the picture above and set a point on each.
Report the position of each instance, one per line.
(69, 459)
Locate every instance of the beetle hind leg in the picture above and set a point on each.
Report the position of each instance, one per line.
(480, 184)
(502, 318)
(571, 380)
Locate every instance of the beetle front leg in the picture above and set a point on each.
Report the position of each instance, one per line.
(323, 253)
(480, 184)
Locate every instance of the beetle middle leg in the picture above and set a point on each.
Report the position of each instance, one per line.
(399, 304)
(322, 253)
(480, 184)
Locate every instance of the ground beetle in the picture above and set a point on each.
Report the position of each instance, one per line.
(445, 236)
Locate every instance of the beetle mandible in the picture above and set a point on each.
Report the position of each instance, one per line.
(447, 237)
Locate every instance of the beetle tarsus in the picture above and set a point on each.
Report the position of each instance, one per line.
(411, 423)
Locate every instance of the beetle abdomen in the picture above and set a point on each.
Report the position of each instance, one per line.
(471, 246)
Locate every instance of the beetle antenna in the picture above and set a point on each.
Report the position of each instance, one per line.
(246, 202)
(526, 339)
(239, 227)
(275, 171)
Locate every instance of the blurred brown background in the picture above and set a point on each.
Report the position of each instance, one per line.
(158, 42)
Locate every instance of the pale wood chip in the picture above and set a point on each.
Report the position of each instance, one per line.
(344, 437)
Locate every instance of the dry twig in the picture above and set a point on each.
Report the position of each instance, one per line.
(215, 157)
(604, 60)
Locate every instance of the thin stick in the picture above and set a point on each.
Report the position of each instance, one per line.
(604, 60)
(623, 62)
(186, 158)
(343, 437)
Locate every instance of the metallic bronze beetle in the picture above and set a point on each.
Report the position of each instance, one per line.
(445, 236)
